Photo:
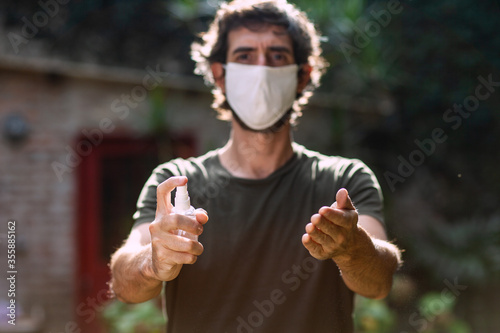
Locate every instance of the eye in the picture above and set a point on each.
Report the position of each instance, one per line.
(243, 57)
(278, 59)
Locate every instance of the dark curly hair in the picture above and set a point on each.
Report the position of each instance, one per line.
(253, 14)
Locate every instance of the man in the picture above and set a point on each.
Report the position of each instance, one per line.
(257, 270)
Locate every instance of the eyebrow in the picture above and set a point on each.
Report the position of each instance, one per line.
(280, 49)
(271, 48)
(243, 49)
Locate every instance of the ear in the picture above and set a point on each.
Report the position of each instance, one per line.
(304, 77)
(218, 74)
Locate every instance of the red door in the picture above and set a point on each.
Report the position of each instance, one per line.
(109, 182)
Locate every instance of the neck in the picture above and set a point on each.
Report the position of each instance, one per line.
(256, 155)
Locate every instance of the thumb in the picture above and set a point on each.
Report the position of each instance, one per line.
(343, 200)
(163, 196)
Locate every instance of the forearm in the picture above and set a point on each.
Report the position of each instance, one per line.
(132, 275)
(368, 267)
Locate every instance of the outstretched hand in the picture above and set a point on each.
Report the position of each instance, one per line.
(332, 231)
(170, 251)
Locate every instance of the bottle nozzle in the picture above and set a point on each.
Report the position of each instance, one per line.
(182, 200)
(183, 206)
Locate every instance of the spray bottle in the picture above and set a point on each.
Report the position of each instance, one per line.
(183, 207)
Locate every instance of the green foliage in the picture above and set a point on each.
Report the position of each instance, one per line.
(439, 316)
(158, 112)
(190, 10)
(428, 308)
(331, 13)
(372, 316)
(469, 249)
(126, 318)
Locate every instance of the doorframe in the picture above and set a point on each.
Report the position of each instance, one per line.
(91, 294)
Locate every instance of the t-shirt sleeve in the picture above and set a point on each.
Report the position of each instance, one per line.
(364, 189)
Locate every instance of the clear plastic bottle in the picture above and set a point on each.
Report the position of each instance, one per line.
(183, 206)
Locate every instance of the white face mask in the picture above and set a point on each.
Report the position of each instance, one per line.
(260, 95)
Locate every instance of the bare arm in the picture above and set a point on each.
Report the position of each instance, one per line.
(368, 268)
(357, 244)
(132, 280)
(153, 253)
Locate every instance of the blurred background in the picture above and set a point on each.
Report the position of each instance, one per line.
(94, 94)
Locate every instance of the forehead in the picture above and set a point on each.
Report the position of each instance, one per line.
(267, 35)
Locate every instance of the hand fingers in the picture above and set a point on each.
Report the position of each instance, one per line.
(328, 230)
(171, 249)
(174, 250)
(320, 236)
(324, 233)
(343, 200)
(163, 199)
(325, 226)
(182, 222)
(340, 217)
(166, 225)
(181, 244)
(201, 215)
(177, 258)
(315, 249)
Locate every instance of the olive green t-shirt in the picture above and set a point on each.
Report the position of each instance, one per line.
(255, 274)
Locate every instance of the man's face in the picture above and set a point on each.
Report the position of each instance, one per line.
(266, 46)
